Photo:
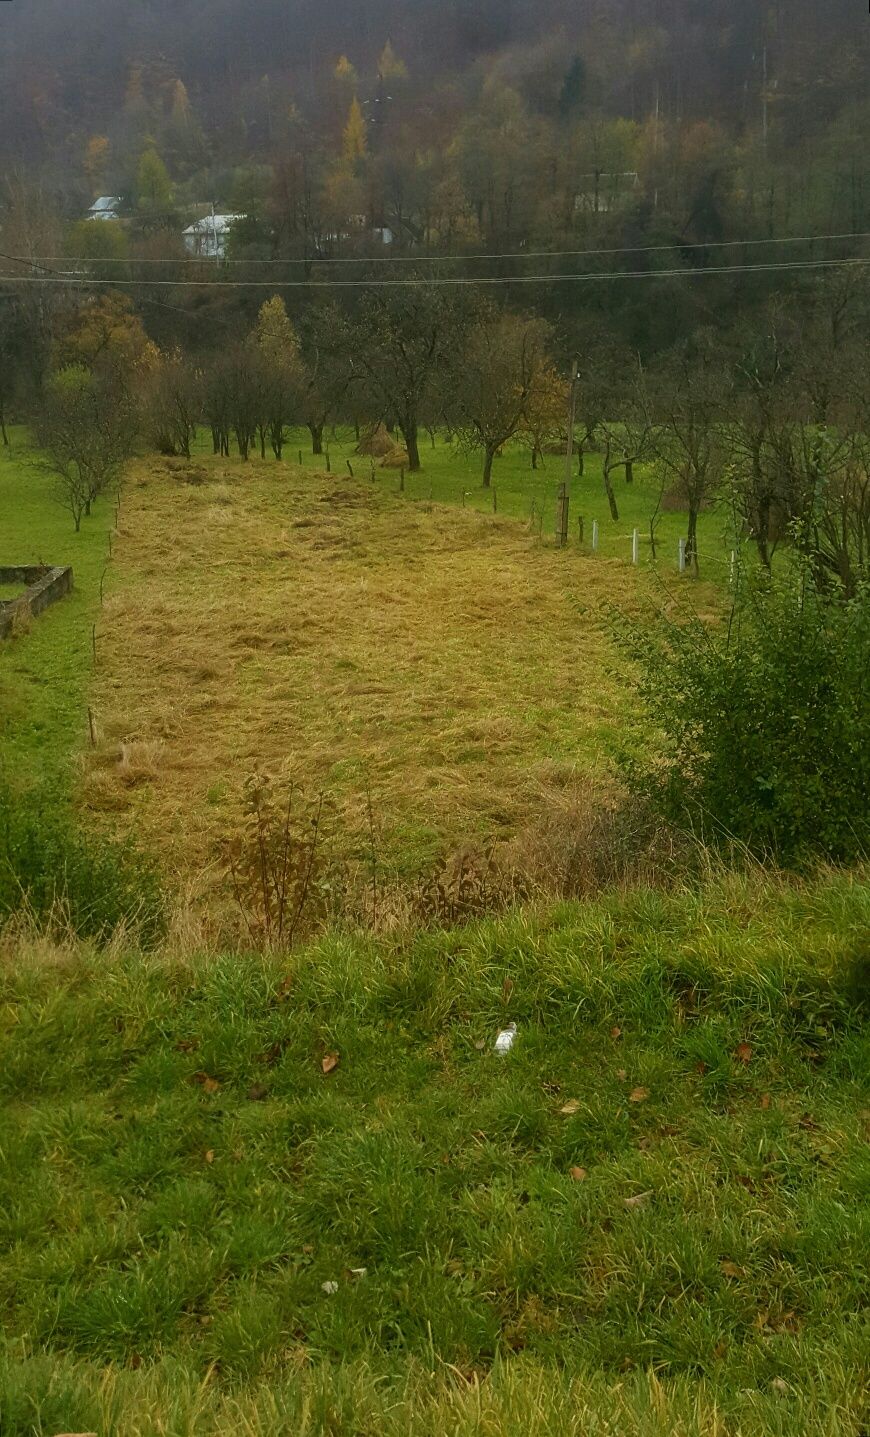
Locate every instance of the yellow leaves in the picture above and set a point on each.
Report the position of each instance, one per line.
(638, 1095)
(355, 143)
(572, 1106)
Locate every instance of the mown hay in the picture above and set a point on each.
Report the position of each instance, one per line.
(376, 442)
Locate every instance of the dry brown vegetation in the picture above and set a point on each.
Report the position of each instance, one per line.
(442, 670)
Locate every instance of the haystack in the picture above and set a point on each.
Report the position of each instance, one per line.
(396, 459)
(376, 442)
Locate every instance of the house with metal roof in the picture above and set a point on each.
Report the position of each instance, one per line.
(207, 238)
(105, 207)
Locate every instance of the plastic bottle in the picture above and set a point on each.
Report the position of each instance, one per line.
(505, 1040)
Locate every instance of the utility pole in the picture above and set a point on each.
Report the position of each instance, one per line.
(564, 497)
(764, 99)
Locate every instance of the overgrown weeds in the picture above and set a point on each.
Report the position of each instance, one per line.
(55, 873)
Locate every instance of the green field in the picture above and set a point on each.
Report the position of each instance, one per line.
(650, 1218)
(44, 673)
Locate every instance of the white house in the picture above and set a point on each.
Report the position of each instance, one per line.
(207, 238)
(105, 207)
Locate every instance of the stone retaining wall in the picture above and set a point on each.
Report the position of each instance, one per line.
(44, 586)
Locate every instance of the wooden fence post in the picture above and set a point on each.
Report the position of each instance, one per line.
(562, 515)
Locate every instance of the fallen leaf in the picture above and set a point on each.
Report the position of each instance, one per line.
(808, 1123)
(209, 1157)
(507, 988)
(578, 1174)
(639, 1200)
(330, 1062)
(283, 989)
(780, 1385)
(730, 1269)
(480, 1044)
(700, 1069)
(572, 1106)
(308, 1248)
(638, 1095)
(616, 1033)
(761, 1320)
(358, 1272)
(208, 1084)
(330, 1288)
(765, 1101)
(187, 1045)
(257, 1093)
(743, 1052)
(621, 1074)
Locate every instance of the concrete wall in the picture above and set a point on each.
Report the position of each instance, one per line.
(44, 586)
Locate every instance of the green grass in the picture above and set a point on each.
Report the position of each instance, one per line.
(449, 476)
(44, 673)
(179, 1179)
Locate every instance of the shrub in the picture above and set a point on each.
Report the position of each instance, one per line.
(48, 866)
(764, 724)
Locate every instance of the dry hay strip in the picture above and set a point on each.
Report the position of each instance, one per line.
(282, 618)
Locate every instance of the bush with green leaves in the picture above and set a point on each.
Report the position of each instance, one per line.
(50, 869)
(762, 723)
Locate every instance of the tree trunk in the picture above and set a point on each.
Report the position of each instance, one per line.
(534, 456)
(580, 461)
(316, 432)
(356, 430)
(488, 456)
(262, 429)
(3, 428)
(608, 489)
(409, 433)
(692, 541)
(629, 471)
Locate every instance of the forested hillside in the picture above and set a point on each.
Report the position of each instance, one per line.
(493, 122)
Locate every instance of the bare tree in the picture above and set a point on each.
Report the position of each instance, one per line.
(501, 376)
(400, 343)
(689, 406)
(173, 404)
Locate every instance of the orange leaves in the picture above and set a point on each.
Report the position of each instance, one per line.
(577, 1174)
(329, 1063)
(206, 1082)
(638, 1095)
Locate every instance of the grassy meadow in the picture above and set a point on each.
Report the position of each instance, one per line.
(443, 675)
(304, 1195)
(247, 1194)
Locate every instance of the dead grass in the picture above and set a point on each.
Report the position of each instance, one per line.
(444, 662)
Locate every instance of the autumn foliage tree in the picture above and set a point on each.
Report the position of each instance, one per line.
(503, 381)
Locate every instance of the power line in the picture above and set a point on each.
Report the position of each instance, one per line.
(463, 258)
(441, 282)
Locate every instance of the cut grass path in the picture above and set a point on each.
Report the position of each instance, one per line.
(651, 1218)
